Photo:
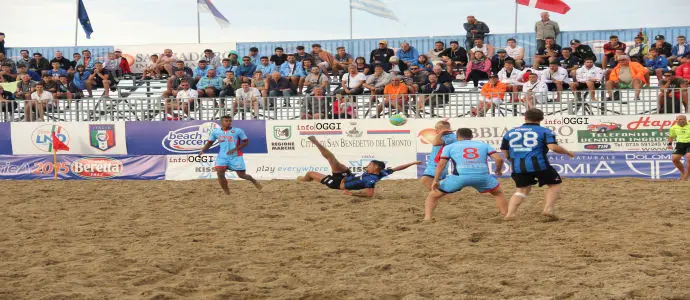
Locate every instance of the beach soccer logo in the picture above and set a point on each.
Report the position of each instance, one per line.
(190, 139)
(102, 136)
(42, 137)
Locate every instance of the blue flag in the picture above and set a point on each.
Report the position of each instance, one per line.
(84, 19)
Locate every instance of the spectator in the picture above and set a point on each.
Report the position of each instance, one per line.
(656, 64)
(475, 30)
(420, 75)
(278, 86)
(293, 72)
(302, 55)
(443, 77)
(492, 93)
(8, 105)
(40, 101)
(316, 79)
(86, 60)
(663, 48)
(254, 56)
(569, 62)
(112, 66)
(555, 77)
(638, 51)
(186, 99)
(151, 70)
(344, 107)
(517, 53)
(352, 82)
(62, 61)
(408, 80)
(39, 64)
(423, 63)
(6, 61)
(581, 51)
(626, 75)
(673, 91)
(279, 57)
(434, 93)
(234, 59)
(211, 59)
(498, 61)
(23, 69)
(342, 61)
(382, 54)
(25, 87)
(167, 61)
(174, 82)
(260, 83)
(123, 64)
(679, 50)
(307, 65)
(82, 80)
(56, 71)
(2, 43)
(362, 66)
(77, 57)
(588, 77)
(315, 106)
(49, 84)
(246, 69)
(179, 65)
(266, 67)
(396, 66)
(407, 54)
(65, 90)
(24, 59)
(377, 82)
(224, 67)
(434, 55)
(229, 85)
(6, 75)
(454, 57)
(510, 76)
(201, 71)
(550, 49)
(209, 85)
(610, 49)
(100, 79)
(534, 91)
(478, 68)
(683, 71)
(546, 28)
(323, 59)
(395, 97)
(247, 97)
(479, 45)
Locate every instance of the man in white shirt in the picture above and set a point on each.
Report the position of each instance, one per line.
(587, 77)
(186, 99)
(511, 76)
(247, 97)
(554, 77)
(534, 91)
(352, 81)
(41, 100)
(515, 52)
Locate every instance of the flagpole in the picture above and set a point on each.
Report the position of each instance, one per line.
(350, 20)
(516, 17)
(55, 166)
(76, 25)
(198, 25)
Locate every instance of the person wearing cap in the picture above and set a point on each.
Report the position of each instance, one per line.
(492, 93)
(679, 50)
(454, 57)
(517, 53)
(382, 54)
(555, 77)
(322, 58)
(279, 57)
(498, 60)
(39, 64)
(64, 62)
(588, 77)
(545, 28)
(342, 61)
(550, 50)
(435, 54)
(211, 59)
(637, 51)
(302, 55)
(664, 49)
(475, 30)
(266, 67)
(656, 64)
(122, 62)
(610, 49)
(581, 51)
(254, 56)
(626, 75)
(672, 92)
(683, 71)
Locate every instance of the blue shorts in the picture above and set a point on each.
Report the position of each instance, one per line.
(482, 183)
(233, 163)
(431, 172)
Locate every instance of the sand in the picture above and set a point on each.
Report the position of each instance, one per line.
(616, 239)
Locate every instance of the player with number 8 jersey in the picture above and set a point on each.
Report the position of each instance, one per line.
(526, 147)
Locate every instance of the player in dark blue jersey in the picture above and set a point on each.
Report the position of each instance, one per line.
(230, 157)
(526, 147)
(343, 179)
(444, 136)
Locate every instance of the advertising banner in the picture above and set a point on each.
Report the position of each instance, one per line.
(187, 137)
(339, 136)
(625, 133)
(647, 165)
(101, 138)
(30, 167)
(5, 138)
(139, 56)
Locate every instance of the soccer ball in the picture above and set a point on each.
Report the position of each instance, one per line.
(398, 119)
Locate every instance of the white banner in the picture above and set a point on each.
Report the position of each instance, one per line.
(82, 138)
(139, 56)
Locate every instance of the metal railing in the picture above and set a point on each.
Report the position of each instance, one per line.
(464, 104)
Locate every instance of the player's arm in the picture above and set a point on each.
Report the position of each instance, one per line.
(439, 171)
(206, 147)
(671, 137)
(505, 148)
(558, 149)
(438, 139)
(499, 163)
(366, 193)
(405, 166)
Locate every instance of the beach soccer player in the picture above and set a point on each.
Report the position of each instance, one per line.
(470, 170)
(231, 141)
(444, 136)
(526, 147)
(680, 132)
(343, 179)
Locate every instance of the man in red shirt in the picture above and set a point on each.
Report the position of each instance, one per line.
(683, 71)
(610, 49)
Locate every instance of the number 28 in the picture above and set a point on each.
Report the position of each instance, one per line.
(529, 139)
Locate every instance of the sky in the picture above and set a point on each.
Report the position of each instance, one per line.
(35, 23)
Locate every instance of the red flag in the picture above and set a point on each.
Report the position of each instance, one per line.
(556, 6)
(58, 145)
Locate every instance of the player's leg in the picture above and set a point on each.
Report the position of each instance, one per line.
(245, 176)
(237, 164)
(449, 185)
(431, 203)
(311, 176)
(220, 171)
(427, 181)
(501, 202)
(552, 179)
(490, 185)
(336, 166)
(675, 158)
(687, 167)
(515, 201)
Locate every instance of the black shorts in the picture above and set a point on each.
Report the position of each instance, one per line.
(98, 82)
(552, 86)
(333, 181)
(583, 86)
(546, 177)
(682, 148)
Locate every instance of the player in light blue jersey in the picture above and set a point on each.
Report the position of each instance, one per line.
(470, 168)
(230, 157)
(444, 136)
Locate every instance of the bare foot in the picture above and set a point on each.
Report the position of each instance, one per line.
(510, 218)
(227, 192)
(258, 185)
(684, 176)
(549, 215)
(300, 178)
